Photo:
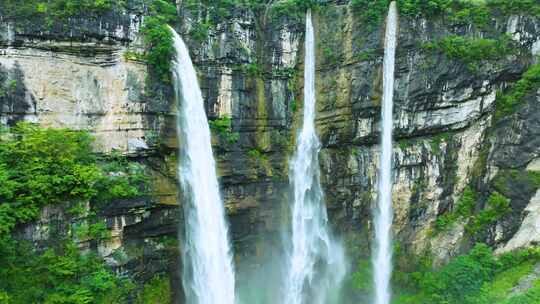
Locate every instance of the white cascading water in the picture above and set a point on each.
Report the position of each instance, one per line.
(316, 262)
(382, 262)
(208, 273)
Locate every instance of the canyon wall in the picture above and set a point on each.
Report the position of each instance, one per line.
(448, 135)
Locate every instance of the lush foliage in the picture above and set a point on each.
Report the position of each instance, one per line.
(477, 12)
(158, 38)
(531, 7)
(424, 7)
(464, 208)
(223, 127)
(507, 103)
(496, 207)
(156, 291)
(58, 275)
(121, 179)
(40, 167)
(473, 51)
(57, 9)
(371, 11)
(475, 278)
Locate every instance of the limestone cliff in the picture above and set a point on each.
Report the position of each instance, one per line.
(448, 136)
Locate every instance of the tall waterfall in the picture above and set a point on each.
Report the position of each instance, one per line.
(208, 274)
(382, 262)
(316, 262)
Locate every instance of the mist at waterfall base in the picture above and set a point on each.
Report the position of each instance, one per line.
(382, 260)
(208, 274)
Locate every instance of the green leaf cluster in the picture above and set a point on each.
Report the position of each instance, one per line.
(459, 12)
(414, 8)
(478, 277)
(464, 209)
(57, 10)
(155, 291)
(508, 103)
(529, 7)
(159, 38)
(57, 275)
(40, 167)
(473, 51)
(223, 127)
(497, 206)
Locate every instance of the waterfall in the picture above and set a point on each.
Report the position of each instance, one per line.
(382, 262)
(208, 274)
(316, 262)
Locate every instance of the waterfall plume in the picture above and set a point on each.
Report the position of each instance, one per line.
(208, 273)
(382, 261)
(316, 262)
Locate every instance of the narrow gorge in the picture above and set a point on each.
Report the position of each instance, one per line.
(98, 200)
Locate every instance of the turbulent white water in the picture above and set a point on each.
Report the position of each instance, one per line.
(208, 274)
(382, 262)
(316, 262)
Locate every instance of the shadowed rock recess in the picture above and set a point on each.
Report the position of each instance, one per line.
(454, 131)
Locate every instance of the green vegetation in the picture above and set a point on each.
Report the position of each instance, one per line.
(361, 279)
(464, 208)
(223, 127)
(438, 139)
(57, 10)
(414, 8)
(121, 179)
(371, 12)
(530, 7)
(460, 12)
(475, 278)
(40, 167)
(473, 51)
(256, 154)
(97, 231)
(496, 207)
(156, 291)
(158, 38)
(471, 12)
(211, 12)
(252, 69)
(366, 55)
(58, 275)
(506, 181)
(294, 9)
(507, 103)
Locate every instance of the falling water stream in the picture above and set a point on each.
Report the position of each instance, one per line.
(208, 274)
(316, 262)
(382, 261)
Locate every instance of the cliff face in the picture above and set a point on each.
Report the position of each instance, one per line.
(448, 136)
